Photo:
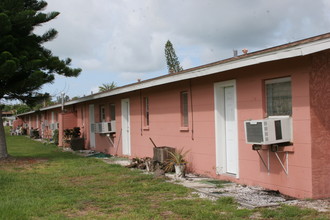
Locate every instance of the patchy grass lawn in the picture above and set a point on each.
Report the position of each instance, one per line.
(41, 182)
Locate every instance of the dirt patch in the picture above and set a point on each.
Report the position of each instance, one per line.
(20, 163)
(167, 214)
(79, 181)
(88, 209)
(22, 160)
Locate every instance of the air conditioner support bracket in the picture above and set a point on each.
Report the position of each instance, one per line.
(263, 162)
(286, 169)
(110, 139)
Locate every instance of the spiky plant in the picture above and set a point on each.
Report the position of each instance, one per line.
(176, 158)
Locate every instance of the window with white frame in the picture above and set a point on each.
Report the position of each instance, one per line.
(278, 96)
(184, 109)
(146, 111)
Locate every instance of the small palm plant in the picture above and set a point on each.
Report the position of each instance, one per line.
(177, 162)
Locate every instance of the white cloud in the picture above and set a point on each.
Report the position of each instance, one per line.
(132, 76)
(90, 64)
(126, 39)
(93, 90)
(187, 63)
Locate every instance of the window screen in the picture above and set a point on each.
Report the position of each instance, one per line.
(278, 97)
(184, 109)
(146, 111)
(112, 112)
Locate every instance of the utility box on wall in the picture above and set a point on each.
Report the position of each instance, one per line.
(161, 153)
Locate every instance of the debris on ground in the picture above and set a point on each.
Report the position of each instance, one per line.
(140, 163)
(100, 155)
(246, 196)
(147, 163)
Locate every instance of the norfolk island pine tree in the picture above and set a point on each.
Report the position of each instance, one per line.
(25, 65)
(172, 60)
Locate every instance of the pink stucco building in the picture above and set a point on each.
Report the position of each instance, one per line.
(203, 110)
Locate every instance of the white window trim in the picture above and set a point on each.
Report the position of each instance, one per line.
(278, 80)
(274, 81)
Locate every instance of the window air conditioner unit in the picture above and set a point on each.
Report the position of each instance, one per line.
(105, 127)
(53, 126)
(268, 131)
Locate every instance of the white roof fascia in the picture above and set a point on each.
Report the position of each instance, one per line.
(25, 113)
(295, 51)
(51, 107)
(317, 47)
(41, 109)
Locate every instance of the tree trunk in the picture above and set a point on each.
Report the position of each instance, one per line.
(3, 144)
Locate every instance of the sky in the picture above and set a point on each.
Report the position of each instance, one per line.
(122, 41)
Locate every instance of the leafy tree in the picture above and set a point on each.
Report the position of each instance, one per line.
(6, 108)
(46, 101)
(75, 98)
(172, 60)
(25, 65)
(21, 108)
(59, 99)
(107, 86)
(16, 108)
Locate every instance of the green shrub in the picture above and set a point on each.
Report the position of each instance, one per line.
(55, 136)
(34, 133)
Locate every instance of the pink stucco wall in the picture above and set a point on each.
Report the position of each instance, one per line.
(251, 106)
(320, 124)
(67, 120)
(17, 123)
(165, 124)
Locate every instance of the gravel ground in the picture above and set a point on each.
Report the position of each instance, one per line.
(246, 196)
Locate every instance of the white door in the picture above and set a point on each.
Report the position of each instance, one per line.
(91, 126)
(226, 128)
(230, 130)
(125, 115)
